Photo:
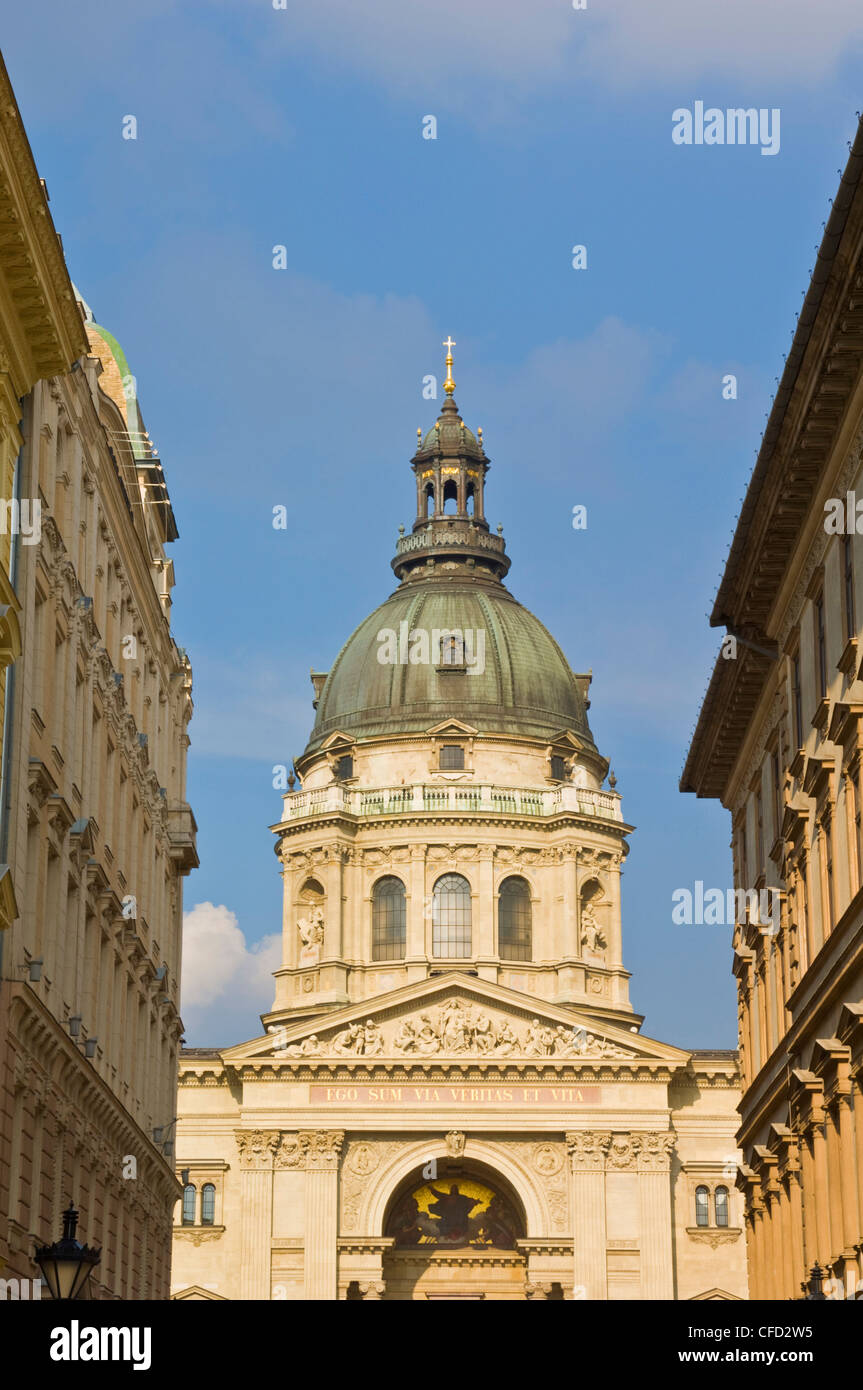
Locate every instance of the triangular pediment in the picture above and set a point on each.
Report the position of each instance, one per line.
(453, 726)
(337, 740)
(455, 1016)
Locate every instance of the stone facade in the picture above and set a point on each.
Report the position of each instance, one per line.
(452, 1097)
(779, 742)
(98, 834)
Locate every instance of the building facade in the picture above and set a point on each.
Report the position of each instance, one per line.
(452, 1097)
(779, 742)
(97, 830)
(41, 334)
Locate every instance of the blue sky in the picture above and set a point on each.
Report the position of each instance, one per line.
(302, 127)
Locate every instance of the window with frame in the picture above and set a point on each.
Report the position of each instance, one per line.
(452, 757)
(451, 917)
(797, 699)
(776, 782)
(558, 769)
(720, 1206)
(702, 1206)
(344, 768)
(190, 1198)
(208, 1204)
(514, 924)
(848, 587)
(389, 919)
(820, 647)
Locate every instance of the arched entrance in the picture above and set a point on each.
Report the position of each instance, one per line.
(456, 1229)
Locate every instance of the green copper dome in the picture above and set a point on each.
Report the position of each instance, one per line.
(497, 668)
(521, 684)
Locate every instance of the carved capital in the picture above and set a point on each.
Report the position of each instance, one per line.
(587, 1150)
(655, 1152)
(321, 1148)
(373, 1290)
(257, 1147)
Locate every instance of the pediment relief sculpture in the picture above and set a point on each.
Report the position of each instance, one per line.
(453, 1028)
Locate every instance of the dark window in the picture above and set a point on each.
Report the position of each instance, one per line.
(775, 768)
(798, 705)
(828, 866)
(848, 575)
(820, 647)
(452, 758)
(514, 920)
(759, 833)
(208, 1204)
(702, 1206)
(190, 1195)
(345, 768)
(558, 769)
(720, 1201)
(388, 919)
(451, 916)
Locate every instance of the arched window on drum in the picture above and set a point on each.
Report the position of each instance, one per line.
(388, 919)
(451, 917)
(514, 925)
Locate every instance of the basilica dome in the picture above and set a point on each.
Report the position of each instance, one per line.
(451, 642)
(516, 679)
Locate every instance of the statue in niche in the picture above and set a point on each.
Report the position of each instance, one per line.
(592, 935)
(311, 931)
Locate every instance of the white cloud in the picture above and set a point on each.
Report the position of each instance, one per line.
(440, 48)
(226, 982)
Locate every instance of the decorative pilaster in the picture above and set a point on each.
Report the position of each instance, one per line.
(256, 1148)
(654, 1182)
(416, 922)
(321, 1149)
(587, 1150)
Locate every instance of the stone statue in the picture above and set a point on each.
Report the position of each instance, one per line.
(309, 1047)
(311, 931)
(482, 1036)
(406, 1038)
(592, 935)
(506, 1042)
(453, 1027)
(427, 1039)
(534, 1045)
(348, 1042)
(373, 1039)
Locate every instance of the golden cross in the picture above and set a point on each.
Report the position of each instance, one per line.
(449, 384)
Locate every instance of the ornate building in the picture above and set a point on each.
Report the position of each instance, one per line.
(452, 1097)
(779, 742)
(96, 829)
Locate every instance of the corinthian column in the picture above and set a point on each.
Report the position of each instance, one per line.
(654, 1183)
(256, 1147)
(321, 1149)
(587, 1150)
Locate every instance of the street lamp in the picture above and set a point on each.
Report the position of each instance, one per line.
(67, 1264)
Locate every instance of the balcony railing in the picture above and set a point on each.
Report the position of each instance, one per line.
(451, 800)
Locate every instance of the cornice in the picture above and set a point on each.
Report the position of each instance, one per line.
(48, 332)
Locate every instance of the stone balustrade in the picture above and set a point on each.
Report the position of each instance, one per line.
(467, 799)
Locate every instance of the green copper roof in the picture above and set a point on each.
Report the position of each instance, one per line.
(526, 687)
